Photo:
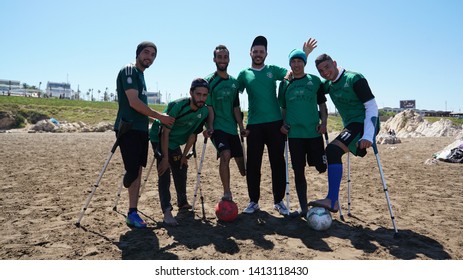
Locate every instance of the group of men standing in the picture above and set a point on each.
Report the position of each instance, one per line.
(296, 112)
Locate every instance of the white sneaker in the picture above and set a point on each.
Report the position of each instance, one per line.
(251, 208)
(281, 207)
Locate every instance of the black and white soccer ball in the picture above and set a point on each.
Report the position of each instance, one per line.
(319, 218)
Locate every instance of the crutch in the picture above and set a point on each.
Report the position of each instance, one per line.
(375, 149)
(123, 128)
(198, 177)
(287, 175)
(348, 184)
(244, 150)
(118, 195)
(146, 177)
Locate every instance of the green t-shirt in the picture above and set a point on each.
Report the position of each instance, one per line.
(260, 86)
(186, 122)
(300, 98)
(223, 98)
(130, 77)
(343, 95)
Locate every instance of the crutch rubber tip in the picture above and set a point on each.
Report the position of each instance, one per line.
(349, 214)
(342, 218)
(396, 235)
(114, 208)
(77, 225)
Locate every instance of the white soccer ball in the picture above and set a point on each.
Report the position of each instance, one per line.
(319, 218)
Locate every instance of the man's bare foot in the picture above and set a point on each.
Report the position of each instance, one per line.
(325, 203)
(169, 220)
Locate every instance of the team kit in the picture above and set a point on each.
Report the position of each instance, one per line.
(288, 118)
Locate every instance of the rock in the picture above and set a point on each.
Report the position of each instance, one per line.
(7, 120)
(387, 139)
(408, 123)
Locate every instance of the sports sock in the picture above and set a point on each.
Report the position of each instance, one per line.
(132, 210)
(334, 182)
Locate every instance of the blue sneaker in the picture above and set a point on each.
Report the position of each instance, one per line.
(133, 220)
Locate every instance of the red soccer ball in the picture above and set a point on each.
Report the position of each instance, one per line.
(226, 210)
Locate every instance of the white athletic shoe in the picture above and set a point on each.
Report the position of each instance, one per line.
(251, 208)
(281, 207)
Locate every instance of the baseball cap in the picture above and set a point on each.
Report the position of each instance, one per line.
(199, 82)
(259, 41)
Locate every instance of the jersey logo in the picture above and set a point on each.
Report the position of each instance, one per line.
(198, 116)
(346, 85)
(345, 135)
(270, 75)
(129, 80)
(144, 92)
(310, 83)
(221, 145)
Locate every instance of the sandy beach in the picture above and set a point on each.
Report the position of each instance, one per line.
(46, 177)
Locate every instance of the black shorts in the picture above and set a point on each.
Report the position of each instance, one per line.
(310, 150)
(350, 136)
(134, 149)
(226, 141)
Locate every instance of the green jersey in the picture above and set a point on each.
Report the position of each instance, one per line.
(186, 122)
(130, 77)
(300, 97)
(260, 86)
(348, 98)
(223, 98)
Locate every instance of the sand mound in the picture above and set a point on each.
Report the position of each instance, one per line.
(410, 124)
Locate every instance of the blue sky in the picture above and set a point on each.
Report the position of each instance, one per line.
(408, 49)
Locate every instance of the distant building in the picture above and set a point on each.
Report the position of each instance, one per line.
(154, 97)
(10, 86)
(423, 113)
(62, 90)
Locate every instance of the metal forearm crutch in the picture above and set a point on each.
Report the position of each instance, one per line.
(123, 128)
(198, 177)
(244, 150)
(287, 175)
(118, 195)
(375, 149)
(348, 184)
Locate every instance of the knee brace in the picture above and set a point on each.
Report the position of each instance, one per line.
(334, 154)
(130, 177)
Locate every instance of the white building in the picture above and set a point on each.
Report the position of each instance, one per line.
(62, 90)
(10, 86)
(154, 97)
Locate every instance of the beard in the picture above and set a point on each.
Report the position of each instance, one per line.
(198, 104)
(221, 68)
(255, 60)
(146, 63)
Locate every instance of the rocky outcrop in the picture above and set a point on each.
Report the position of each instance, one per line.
(65, 127)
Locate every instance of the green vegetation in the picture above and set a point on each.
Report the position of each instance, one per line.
(35, 109)
(91, 112)
(455, 121)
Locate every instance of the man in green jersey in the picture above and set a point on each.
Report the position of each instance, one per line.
(190, 116)
(264, 122)
(134, 112)
(223, 104)
(299, 99)
(356, 104)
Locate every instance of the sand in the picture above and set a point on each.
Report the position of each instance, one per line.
(46, 177)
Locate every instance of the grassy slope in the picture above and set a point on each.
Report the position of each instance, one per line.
(92, 112)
